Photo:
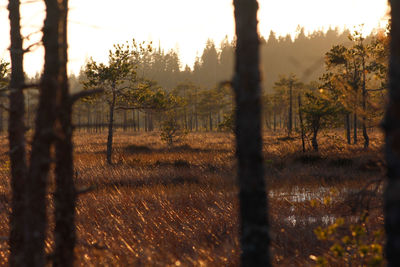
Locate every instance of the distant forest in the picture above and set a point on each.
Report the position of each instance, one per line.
(152, 91)
(303, 56)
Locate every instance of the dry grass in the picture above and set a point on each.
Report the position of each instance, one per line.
(168, 207)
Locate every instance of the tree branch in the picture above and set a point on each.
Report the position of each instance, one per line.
(75, 97)
(133, 108)
(28, 49)
(24, 86)
(31, 86)
(376, 90)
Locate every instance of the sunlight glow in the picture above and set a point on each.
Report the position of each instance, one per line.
(95, 25)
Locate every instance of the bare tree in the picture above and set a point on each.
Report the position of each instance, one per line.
(253, 198)
(65, 195)
(392, 128)
(36, 183)
(16, 131)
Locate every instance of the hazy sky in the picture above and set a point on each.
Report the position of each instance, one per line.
(185, 25)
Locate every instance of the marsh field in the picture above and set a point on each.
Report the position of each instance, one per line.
(178, 206)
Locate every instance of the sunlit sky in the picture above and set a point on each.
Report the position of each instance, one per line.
(184, 25)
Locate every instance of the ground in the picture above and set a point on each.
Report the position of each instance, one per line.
(177, 206)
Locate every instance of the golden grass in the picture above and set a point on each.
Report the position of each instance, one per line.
(159, 206)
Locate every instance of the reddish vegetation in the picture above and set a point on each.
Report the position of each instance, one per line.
(176, 206)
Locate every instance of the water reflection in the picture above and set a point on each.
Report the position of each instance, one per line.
(300, 194)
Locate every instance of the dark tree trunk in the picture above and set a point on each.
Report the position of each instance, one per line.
(35, 230)
(392, 130)
(314, 140)
(290, 118)
(138, 121)
(64, 197)
(348, 128)
(254, 237)
(151, 126)
(88, 118)
(125, 126)
(133, 120)
(111, 128)
(16, 131)
(355, 128)
(146, 128)
(364, 106)
(301, 126)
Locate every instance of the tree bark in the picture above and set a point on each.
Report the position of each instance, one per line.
(290, 123)
(391, 126)
(301, 126)
(64, 197)
(254, 237)
(133, 120)
(364, 106)
(355, 128)
(36, 184)
(16, 135)
(348, 128)
(314, 140)
(110, 128)
(125, 126)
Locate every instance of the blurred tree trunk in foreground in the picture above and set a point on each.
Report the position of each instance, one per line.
(65, 195)
(392, 129)
(16, 135)
(253, 198)
(53, 126)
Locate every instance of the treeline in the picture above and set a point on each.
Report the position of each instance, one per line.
(303, 56)
(344, 68)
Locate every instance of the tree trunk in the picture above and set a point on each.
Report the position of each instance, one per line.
(355, 128)
(314, 140)
(146, 128)
(364, 106)
(151, 126)
(290, 123)
(36, 183)
(301, 126)
(64, 196)
(88, 118)
(16, 131)
(110, 128)
(254, 237)
(348, 128)
(125, 126)
(138, 121)
(392, 130)
(133, 120)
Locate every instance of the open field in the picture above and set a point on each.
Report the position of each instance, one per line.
(159, 206)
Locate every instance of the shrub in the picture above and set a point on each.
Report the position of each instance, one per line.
(171, 132)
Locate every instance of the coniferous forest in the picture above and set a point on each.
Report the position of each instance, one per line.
(267, 151)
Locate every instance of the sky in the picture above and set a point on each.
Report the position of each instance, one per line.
(183, 25)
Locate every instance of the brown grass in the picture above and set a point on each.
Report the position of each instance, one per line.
(159, 206)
